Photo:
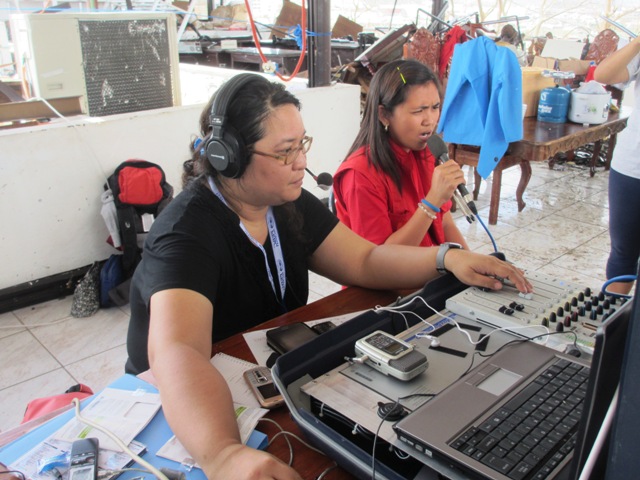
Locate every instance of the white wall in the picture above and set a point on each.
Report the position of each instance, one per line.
(51, 176)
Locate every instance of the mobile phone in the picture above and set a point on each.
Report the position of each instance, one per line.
(391, 356)
(287, 337)
(84, 459)
(261, 383)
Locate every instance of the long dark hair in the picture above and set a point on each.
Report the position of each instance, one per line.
(388, 88)
(246, 113)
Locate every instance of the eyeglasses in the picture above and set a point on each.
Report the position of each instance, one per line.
(289, 155)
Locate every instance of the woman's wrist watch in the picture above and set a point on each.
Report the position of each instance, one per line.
(442, 251)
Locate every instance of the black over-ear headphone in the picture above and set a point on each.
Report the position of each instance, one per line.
(224, 147)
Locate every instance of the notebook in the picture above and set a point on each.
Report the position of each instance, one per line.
(528, 412)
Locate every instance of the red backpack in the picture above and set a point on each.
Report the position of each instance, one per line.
(139, 187)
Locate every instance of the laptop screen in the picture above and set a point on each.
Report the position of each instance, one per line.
(604, 377)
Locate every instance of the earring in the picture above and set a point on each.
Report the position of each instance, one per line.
(386, 128)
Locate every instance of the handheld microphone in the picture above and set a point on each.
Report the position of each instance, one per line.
(464, 199)
(324, 180)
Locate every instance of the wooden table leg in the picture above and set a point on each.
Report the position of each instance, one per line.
(525, 176)
(495, 195)
(477, 179)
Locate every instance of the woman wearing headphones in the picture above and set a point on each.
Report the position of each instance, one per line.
(233, 249)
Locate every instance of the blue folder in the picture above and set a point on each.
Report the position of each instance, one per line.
(154, 436)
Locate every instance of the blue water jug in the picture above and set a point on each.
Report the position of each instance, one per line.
(554, 104)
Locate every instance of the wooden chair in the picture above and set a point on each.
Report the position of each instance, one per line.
(605, 43)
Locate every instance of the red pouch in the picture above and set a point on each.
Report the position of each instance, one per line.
(41, 406)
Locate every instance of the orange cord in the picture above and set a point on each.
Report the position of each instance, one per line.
(256, 40)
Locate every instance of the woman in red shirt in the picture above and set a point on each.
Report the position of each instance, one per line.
(389, 190)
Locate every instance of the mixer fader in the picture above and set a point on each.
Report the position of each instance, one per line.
(556, 305)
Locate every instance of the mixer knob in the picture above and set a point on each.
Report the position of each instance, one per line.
(506, 310)
(587, 292)
(559, 327)
(595, 301)
(581, 297)
(587, 305)
(560, 311)
(600, 310)
(606, 303)
(567, 306)
(605, 316)
(613, 300)
(611, 311)
(574, 302)
(567, 321)
(593, 315)
(574, 316)
(517, 306)
(601, 295)
(552, 317)
(581, 311)
(545, 322)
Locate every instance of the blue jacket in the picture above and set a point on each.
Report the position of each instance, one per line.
(483, 101)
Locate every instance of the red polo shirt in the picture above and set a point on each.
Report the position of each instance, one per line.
(369, 203)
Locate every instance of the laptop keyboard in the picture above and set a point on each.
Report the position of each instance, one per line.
(529, 436)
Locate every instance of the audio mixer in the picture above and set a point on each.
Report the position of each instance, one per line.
(574, 311)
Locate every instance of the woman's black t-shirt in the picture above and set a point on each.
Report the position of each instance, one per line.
(196, 244)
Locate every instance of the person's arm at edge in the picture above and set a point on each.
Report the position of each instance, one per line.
(195, 397)
(349, 259)
(613, 69)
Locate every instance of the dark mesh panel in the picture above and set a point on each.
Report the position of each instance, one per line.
(126, 65)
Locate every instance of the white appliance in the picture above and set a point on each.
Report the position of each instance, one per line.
(589, 107)
(117, 62)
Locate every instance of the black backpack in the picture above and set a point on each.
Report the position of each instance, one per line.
(140, 192)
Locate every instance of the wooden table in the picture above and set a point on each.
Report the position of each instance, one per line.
(540, 142)
(307, 463)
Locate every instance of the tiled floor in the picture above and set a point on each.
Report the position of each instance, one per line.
(562, 232)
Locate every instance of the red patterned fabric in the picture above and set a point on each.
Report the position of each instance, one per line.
(425, 48)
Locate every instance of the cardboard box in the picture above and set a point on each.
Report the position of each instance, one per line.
(579, 67)
(345, 27)
(563, 55)
(532, 84)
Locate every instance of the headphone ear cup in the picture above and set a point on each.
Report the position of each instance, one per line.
(227, 154)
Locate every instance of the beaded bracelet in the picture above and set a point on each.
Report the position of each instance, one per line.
(427, 212)
(430, 205)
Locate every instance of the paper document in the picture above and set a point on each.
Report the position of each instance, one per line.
(232, 369)
(247, 420)
(123, 412)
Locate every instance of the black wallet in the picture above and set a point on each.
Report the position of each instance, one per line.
(287, 337)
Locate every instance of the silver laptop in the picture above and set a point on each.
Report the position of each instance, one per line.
(527, 412)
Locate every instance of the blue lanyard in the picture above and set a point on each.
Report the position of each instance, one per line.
(275, 244)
